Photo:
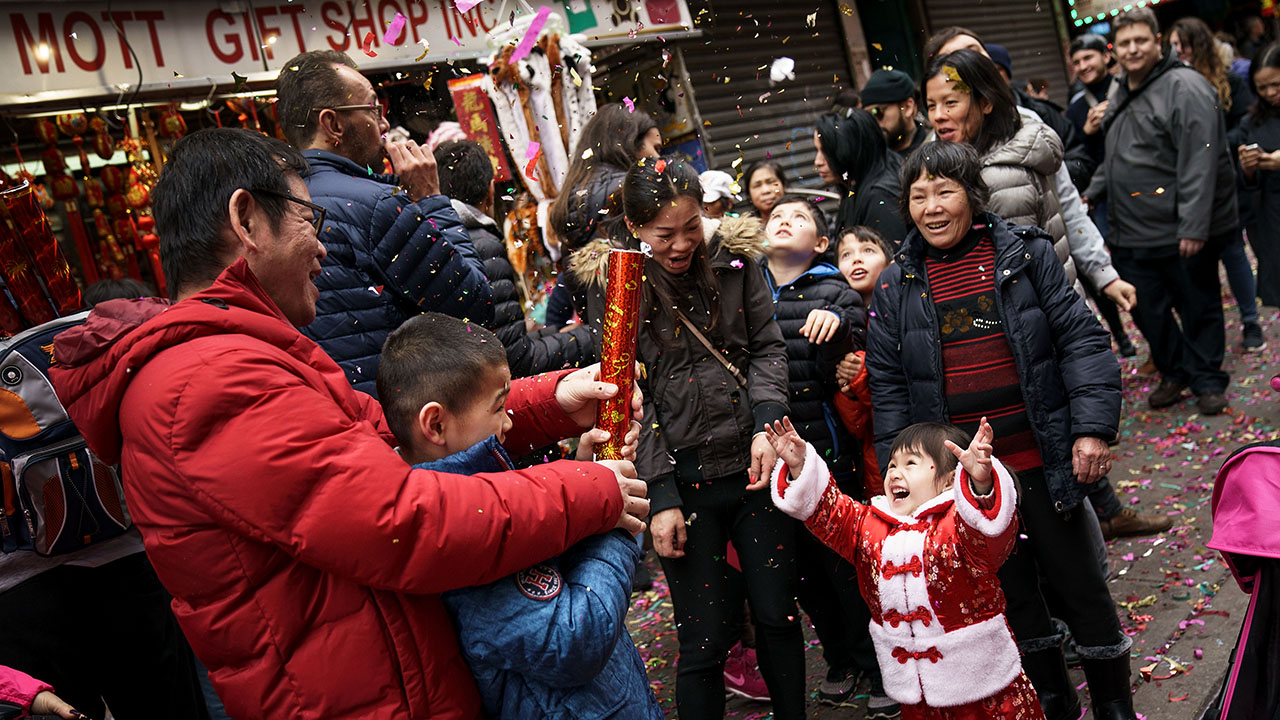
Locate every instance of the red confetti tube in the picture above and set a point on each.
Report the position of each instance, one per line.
(618, 352)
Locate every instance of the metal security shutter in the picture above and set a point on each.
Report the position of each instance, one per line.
(728, 81)
(1026, 27)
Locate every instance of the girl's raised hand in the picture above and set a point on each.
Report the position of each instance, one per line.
(788, 444)
(976, 459)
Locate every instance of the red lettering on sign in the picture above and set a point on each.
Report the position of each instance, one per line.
(326, 13)
(120, 18)
(293, 11)
(236, 52)
(69, 25)
(27, 44)
(480, 18)
(388, 17)
(446, 7)
(460, 19)
(150, 17)
(415, 19)
(266, 31)
(250, 40)
(362, 26)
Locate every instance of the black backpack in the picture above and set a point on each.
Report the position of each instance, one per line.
(58, 496)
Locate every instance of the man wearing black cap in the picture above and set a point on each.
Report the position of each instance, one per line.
(890, 95)
(1091, 60)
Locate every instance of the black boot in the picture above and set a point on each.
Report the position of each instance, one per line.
(1109, 688)
(1048, 673)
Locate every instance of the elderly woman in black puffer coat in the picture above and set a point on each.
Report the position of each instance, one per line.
(976, 319)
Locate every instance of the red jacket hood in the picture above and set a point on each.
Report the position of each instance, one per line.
(98, 360)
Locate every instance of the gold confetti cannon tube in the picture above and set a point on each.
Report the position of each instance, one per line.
(618, 351)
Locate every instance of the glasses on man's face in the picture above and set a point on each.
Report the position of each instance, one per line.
(317, 211)
(375, 107)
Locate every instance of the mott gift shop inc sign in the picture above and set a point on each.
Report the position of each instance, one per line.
(85, 49)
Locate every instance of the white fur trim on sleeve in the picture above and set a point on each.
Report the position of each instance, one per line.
(800, 496)
(995, 521)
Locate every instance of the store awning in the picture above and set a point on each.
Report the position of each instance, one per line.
(60, 54)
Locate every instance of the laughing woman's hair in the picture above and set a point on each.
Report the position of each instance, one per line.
(978, 75)
(956, 161)
(650, 186)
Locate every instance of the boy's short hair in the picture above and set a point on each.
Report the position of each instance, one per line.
(433, 357)
(862, 233)
(466, 172)
(930, 438)
(819, 220)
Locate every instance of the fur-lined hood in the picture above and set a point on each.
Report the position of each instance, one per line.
(727, 239)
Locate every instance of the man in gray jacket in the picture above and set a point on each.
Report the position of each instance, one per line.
(1169, 183)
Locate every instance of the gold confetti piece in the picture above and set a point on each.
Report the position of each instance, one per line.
(954, 76)
(426, 48)
(844, 8)
(1147, 601)
(587, 153)
(811, 20)
(877, 46)
(577, 79)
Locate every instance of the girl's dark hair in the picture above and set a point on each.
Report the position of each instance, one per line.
(930, 439)
(613, 135)
(984, 82)
(955, 161)
(853, 144)
(115, 289)
(1204, 56)
(1267, 57)
(650, 186)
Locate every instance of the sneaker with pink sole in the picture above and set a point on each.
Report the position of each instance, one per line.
(742, 675)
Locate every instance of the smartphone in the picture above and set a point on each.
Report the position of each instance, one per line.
(1251, 146)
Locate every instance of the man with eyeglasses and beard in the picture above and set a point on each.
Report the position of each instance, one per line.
(395, 245)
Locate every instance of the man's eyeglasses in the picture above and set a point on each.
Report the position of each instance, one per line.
(317, 211)
(374, 106)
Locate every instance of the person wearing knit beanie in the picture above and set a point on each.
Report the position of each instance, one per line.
(890, 96)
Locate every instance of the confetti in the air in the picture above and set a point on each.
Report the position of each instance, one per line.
(393, 30)
(531, 36)
(784, 68)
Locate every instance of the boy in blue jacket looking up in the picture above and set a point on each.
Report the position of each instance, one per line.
(550, 641)
(822, 319)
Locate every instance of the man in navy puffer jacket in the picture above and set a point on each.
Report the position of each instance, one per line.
(466, 176)
(395, 245)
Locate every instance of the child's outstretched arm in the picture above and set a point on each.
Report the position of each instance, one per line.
(802, 487)
(985, 500)
(976, 459)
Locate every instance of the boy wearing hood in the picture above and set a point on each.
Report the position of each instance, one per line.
(822, 319)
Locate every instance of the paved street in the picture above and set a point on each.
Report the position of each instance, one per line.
(1179, 602)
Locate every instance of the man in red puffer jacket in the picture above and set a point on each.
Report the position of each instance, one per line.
(305, 557)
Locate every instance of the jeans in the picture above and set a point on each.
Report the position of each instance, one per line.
(1240, 278)
(1189, 349)
(829, 596)
(103, 634)
(706, 599)
(1061, 549)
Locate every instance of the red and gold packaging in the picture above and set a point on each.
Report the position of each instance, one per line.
(32, 249)
(618, 352)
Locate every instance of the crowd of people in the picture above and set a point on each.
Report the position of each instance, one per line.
(340, 437)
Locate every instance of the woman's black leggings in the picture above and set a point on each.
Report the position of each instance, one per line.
(707, 602)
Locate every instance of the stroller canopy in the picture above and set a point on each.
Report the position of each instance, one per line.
(1246, 510)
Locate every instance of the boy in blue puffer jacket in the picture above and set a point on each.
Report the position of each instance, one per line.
(822, 319)
(551, 640)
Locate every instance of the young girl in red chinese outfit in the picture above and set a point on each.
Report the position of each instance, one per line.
(927, 552)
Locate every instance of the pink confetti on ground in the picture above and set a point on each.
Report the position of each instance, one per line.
(531, 36)
(393, 30)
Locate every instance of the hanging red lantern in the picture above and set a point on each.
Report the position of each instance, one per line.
(84, 156)
(73, 123)
(104, 146)
(46, 131)
(54, 162)
(116, 206)
(97, 125)
(64, 187)
(137, 196)
(113, 178)
(151, 244)
(172, 125)
(93, 193)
